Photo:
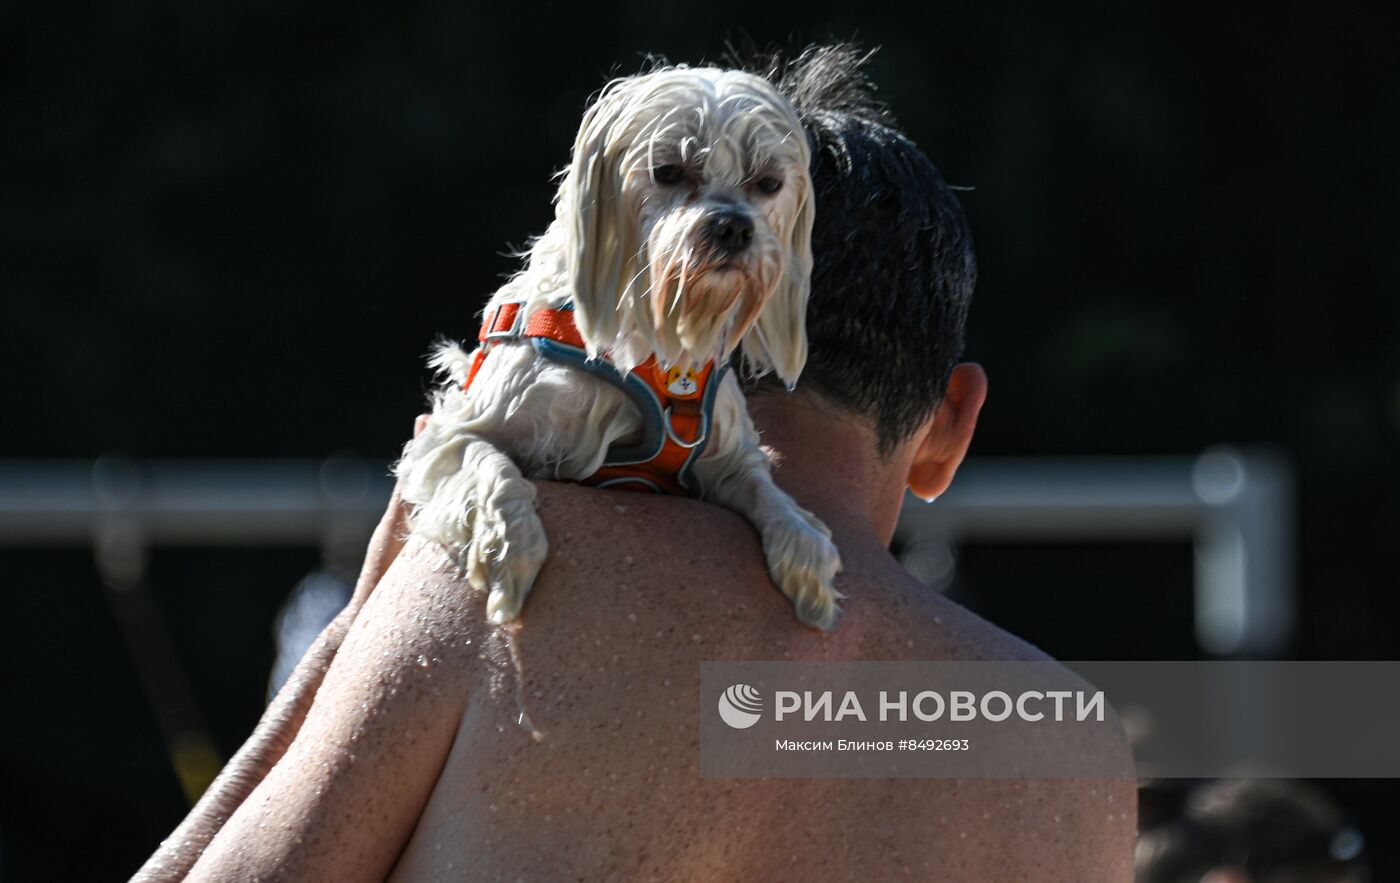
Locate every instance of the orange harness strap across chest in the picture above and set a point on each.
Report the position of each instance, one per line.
(675, 404)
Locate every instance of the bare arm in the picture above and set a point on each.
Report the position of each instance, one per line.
(342, 801)
(282, 719)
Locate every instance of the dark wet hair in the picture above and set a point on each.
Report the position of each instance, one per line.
(893, 266)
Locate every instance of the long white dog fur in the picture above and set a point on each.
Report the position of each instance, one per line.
(657, 156)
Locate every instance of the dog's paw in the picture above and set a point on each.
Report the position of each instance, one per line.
(473, 500)
(505, 554)
(803, 561)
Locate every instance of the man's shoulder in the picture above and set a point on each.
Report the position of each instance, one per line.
(689, 560)
(586, 519)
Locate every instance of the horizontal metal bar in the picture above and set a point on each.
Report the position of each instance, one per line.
(1063, 498)
(188, 502)
(1235, 508)
(50, 502)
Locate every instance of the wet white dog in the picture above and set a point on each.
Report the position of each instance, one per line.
(682, 228)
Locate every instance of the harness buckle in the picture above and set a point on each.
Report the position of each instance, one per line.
(515, 323)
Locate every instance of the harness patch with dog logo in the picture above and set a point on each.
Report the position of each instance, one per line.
(679, 382)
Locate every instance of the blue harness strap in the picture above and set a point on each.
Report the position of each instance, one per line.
(656, 417)
(665, 398)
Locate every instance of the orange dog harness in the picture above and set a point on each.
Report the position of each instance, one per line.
(675, 403)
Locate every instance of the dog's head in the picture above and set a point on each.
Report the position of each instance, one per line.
(686, 216)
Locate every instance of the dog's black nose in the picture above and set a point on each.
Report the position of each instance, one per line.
(730, 231)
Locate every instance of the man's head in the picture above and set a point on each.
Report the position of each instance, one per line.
(892, 277)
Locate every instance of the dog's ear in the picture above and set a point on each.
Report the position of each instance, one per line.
(601, 238)
(778, 340)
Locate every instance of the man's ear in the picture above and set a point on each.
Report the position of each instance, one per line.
(948, 433)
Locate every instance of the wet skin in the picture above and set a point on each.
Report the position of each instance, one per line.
(412, 762)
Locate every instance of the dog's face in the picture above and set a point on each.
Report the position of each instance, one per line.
(690, 211)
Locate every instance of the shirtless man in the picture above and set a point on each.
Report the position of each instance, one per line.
(413, 762)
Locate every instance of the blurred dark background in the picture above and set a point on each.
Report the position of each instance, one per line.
(231, 230)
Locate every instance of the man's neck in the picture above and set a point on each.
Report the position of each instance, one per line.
(828, 461)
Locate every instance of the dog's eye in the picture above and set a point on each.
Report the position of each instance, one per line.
(769, 184)
(668, 174)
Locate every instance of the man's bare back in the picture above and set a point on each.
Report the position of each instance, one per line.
(611, 651)
(421, 714)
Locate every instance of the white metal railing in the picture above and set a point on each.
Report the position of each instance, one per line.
(1236, 508)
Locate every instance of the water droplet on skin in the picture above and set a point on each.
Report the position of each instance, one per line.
(423, 663)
